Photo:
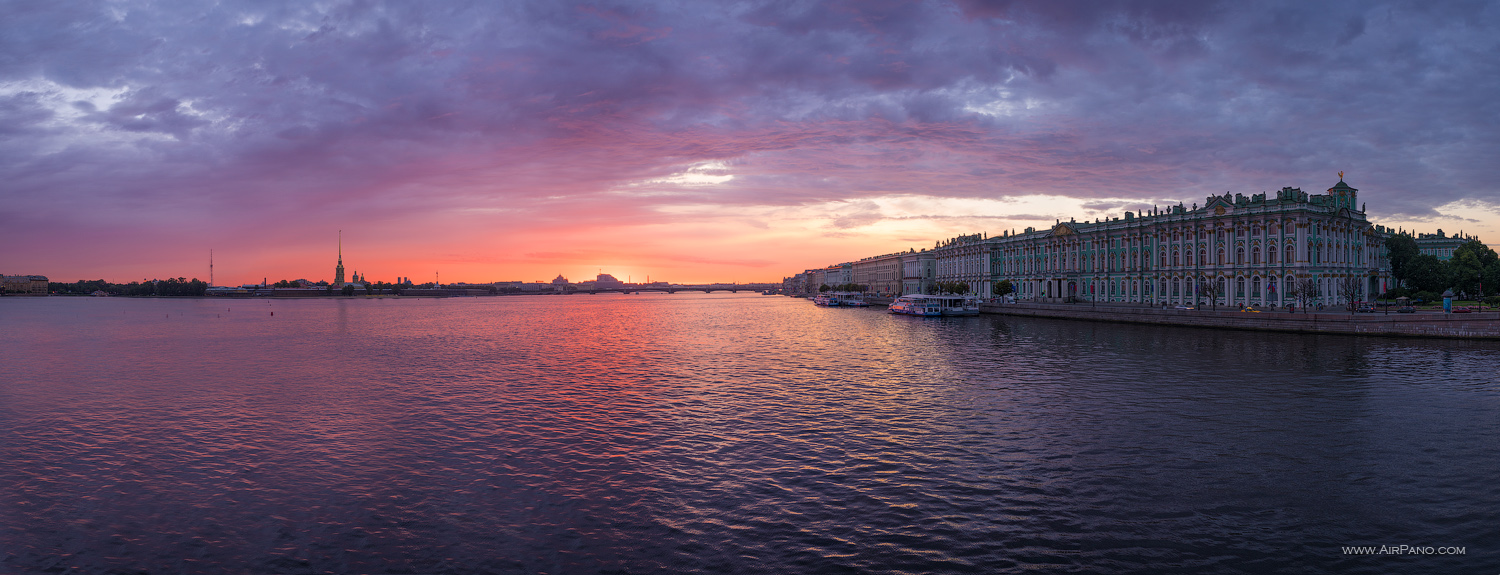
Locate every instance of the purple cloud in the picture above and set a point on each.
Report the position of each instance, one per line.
(248, 117)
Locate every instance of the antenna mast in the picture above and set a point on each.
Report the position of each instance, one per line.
(210, 267)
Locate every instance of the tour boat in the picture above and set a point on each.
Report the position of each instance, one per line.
(852, 299)
(935, 305)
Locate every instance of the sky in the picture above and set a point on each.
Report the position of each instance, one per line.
(703, 141)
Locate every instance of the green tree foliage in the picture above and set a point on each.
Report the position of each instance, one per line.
(1004, 288)
(824, 288)
(1426, 272)
(959, 288)
(1474, 264)
(1402, 249)
(849, 287)
(348, 289)
(170, 287)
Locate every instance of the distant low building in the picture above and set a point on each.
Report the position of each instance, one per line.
(606, 281)
(1440, 244)
(24, 285)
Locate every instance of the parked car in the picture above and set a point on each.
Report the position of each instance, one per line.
(1365, 308)
(1462, 309)
(1183, 307)
(1406, 309)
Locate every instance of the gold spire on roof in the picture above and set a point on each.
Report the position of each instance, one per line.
(1341, 175)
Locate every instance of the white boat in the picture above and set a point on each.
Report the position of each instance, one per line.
(850, 299)
(935, 305)
(825, 299)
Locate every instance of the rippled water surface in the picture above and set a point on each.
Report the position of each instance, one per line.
(724, 433)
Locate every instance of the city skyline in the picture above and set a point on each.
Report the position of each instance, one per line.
(703, 144)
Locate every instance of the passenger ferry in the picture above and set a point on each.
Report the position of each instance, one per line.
(851, 299)
(841, 299)
(935, 305)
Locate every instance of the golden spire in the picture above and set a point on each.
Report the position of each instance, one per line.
(1341, 175)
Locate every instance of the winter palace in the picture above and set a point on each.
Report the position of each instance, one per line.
(1240, 250)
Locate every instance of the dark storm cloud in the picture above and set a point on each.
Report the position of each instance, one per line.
(262, 112)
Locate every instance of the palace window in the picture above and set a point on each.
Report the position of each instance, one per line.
(1239, 256)
(1176, 260)
(1221, 256)
(1291, 253)
(1239, 289)
(1255, 256)
(1202, 257)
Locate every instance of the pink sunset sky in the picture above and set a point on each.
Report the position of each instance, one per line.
(703, 141)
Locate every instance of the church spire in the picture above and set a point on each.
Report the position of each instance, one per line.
(338, 272)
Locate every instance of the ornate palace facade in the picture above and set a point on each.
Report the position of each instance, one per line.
(1250, 248)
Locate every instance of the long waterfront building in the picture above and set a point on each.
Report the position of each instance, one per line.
(1241, 250)
(1235, 250)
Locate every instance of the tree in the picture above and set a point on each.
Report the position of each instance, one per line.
(1427, 273)
(1402, 248)
(348, 289)
(1349, 289)
(1003, 288)
(1470, 264)
(824, 288)
(1304, 290)
(1210, 287)
(959, 288)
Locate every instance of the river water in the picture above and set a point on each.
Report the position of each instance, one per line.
(725, 433)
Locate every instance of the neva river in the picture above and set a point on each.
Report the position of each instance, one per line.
(725, 433)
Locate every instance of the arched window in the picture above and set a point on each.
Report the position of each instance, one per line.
(1239, 256)
(1163, 257)
(1291, 253)
(1221, 256)
(1202, 257)
(1255, 256)
(1239, 287)
(1176, 259)
(1255, 288)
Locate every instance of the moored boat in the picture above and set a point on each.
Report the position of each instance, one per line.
(935, 305)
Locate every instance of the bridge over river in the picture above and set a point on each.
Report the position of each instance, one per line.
(705, 288)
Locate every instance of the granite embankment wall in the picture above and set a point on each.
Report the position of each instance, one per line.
(1468, 326)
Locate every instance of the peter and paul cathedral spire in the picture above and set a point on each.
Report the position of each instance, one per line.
(338, 272)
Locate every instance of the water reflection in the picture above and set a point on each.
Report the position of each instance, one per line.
(721, 432)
